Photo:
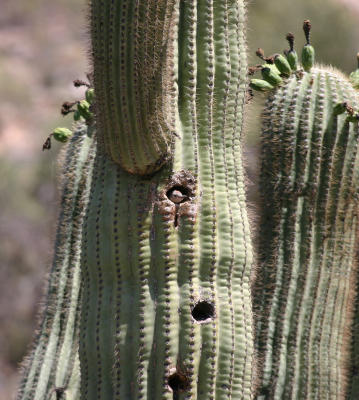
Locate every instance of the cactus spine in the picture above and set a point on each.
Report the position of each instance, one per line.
(306, 287)
(166, 304)
(54, 363)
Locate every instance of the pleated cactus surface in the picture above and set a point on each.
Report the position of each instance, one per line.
(53, 366)
(307, 280)
(166, 306)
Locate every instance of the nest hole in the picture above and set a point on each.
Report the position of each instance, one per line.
(202, 311)
(178, 382)
(178, 194)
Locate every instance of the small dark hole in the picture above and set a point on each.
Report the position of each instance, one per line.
(178, 382)
(60, 393)
(202, 311)
(176, 220)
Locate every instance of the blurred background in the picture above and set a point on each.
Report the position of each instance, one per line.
(43, 48)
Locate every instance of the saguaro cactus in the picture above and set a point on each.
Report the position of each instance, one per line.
(308, 274)
(150, 291)
(166, 256)
(53, 363)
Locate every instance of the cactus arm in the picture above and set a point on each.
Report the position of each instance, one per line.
(132, 44)
(309, 262)
(51, 361)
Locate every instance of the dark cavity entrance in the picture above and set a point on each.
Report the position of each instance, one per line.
(178, 194)
(60, 393)
(178, 382)
(203, 310)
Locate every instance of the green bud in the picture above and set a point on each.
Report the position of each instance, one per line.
(273, 68)
(260, 85)
(291, 54)
(282, 64)
(308, 57)
(90, 95)
(270, 76)
(84, 109)
(292, 58)
(62, 134)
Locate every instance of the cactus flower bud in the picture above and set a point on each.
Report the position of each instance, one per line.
(292, 58)
(90, 95)
(308, 57)
(308, 53)
(260, 85)
(272, 67)
(270, 76)
(62, 134)
(291, 54)
(84, 109)
(282, 64)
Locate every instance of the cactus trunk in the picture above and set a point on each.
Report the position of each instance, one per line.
(167, 258)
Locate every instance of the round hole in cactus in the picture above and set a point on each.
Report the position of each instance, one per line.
(178, 194)
(202, 311)
(178, 382)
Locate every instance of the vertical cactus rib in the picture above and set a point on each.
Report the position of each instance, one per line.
(52, 362)
(207, 228)
(133, 51)
(167, 259)
(309, 268)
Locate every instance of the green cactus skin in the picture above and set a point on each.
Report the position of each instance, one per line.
(133, 55)
(54, 362)
(307, 282)
(353, 391)
(354, 76)
(153, 269)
